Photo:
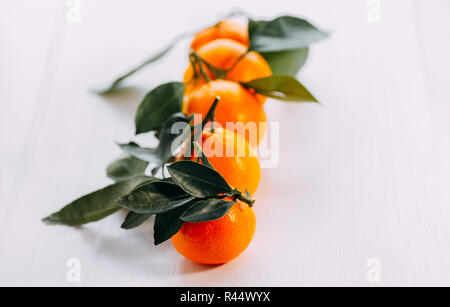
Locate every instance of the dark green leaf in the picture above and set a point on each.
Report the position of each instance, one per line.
(125, 168)
(281, 87)
(158, 105)
(155, 197)
(172, 129)
(168, 224)
(197, 179)
(133, 219)
(94, 206)
(286, 62)
(253, 25)
(172, 134)
(117, 83)
(207, 210)
(283, 33)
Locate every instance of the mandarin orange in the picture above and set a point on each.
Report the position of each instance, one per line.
(238, 109)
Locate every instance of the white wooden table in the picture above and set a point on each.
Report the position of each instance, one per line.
(366, 176)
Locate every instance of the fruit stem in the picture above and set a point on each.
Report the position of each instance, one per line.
(211, 112)
(218, 73)
(213, 117)
(199, 61)
(195, 133)
(238, 195)
(193, 62)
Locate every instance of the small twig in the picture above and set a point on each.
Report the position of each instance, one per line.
(200, 62)
(218, 73)
(209, 116)
(237, 61)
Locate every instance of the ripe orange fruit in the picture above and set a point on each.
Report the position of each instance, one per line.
(217, 241)
(225, 54)
(236, 106)
(231, 156)
(224, 29)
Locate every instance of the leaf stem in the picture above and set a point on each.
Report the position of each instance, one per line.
(218, 73)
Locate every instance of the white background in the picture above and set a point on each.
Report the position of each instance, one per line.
(366, 175)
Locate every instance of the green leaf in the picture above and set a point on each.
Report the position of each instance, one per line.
(94, 206)
(118, 82)
(167, 135)
(253, 25)
(283, 33)
(125, 168)
(141, 153)
(155, 197)
(286, 62)
(158, 105)
(133, 220)
(198, 180)
(207, 210)
(168, 224)
(175, 128)
(281, 87)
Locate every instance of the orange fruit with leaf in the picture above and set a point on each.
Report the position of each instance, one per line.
(215, 230)
(218, 241)
(231, 155)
